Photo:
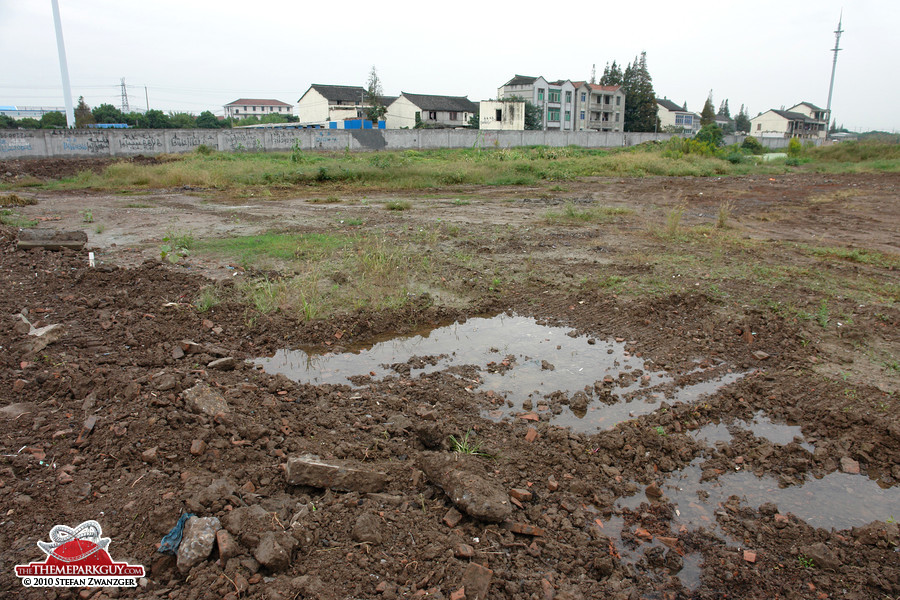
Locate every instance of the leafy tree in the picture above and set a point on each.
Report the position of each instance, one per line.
(710, 134)
(534, 117)
(374, 94)
(107, 113)
(723, 110)
(640, 99)
(742, 121)
(53, 120)
(207, 120)
(708, 114)
(29, 123)
(182, 120)
(83, 116)
(154, 119)
(612, 75)
(7, 122)
(475, 120)
(753, 145)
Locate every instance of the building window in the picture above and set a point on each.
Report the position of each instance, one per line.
(618, 100)
(758, 126)
(498, 115)
(568, 116)
(582, 115)
(453, 116)
(583, 98)
(554, 96)
(568, 97)
(553, 114)
(607, 99)
(540, 94)
(617, 117)
(432, 115)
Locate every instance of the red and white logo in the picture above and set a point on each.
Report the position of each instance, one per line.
(78, 558)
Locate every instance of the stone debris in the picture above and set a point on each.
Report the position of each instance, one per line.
(339, 475)
(203, 398)
(476, 580)
(471, 493)
(197, 541)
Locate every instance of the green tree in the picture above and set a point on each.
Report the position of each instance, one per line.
(710, 134)
(207, 120)
(708, 114)
(29, 123)
(83, 116)
(612, 75)
(7, 122)
(742, 121)
(534, 117)
(53, 120)
(155, 119)
(376, 109)
(107, 113)
(475, 120)
(182, 120)
(723, 110)
(640, 99)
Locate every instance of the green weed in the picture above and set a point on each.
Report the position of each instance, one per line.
(466, 445)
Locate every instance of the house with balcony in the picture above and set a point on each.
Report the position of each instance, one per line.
(599, 107)
(556, 99)
(424, 110)
(676, 119)
(804, 121)
(248, 107)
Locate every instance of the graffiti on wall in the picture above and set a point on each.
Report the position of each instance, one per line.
(92, 144)
(192, 140)
(140, 142)
(16, 142)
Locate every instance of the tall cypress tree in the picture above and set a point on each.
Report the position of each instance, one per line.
(640, 99)
(742, 120)
(708, 114)
(612, 75)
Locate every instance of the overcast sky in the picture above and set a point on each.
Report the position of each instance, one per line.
(195, 55)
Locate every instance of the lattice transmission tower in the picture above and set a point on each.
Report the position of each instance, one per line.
(125, 108)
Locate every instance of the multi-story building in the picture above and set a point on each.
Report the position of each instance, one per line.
(558, 100)
(323, 103)
(246, 107)
(599, 107)
(676, 119)
(804, 121)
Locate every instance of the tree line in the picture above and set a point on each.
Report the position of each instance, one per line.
(151, 119)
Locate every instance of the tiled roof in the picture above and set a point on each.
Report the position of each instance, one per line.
(605, 88)
(520, 80)
(450, 103)
(254, 102)
(340, 93)
(669, 105)
(792, 116)
(812, 106)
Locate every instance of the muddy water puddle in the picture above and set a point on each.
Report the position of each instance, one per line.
(836, 501)
(580, 382)
(760, 426)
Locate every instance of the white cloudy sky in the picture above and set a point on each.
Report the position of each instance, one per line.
(195, 55)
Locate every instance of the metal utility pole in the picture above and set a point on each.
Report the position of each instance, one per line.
(63, 66)
(124, 98)
(836, 49)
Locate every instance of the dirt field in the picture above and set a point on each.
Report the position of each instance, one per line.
(742, 440)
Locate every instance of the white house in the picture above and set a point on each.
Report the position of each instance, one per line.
(410, 110)
(806, 125)
(323, 103)
(676, 119)
(247, 107)
(501, 115)
(599, 107)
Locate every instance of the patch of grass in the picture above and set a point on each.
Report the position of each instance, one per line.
(329, 200)
(806, 562)
(466, 445)
(460, 202)
(573, 214)
(724, 214)
(398, 205)
(100, 228)
(13, 219)
(857, 255)
(16, 200)
(207, 299)
(137, 205)
(673, 220)
(87, 216)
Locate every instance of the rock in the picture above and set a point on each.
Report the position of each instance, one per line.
(198, 447)
(653, 491)
(197, 542)
(470, 492)
(14, 411)
(477, 581)
(523, 528)
(464, 551)
(339, 475)
(367, 529)
(452, 518)
(202, 398)
(223, 364)
(545, 366)
(271, 554)
(248, 524)
(40, 338)
(310, 586)
(213, 498)
(848, 465)
(459, 594)
(191, 347)
(150, 455)
(552, 484)
(521, 495)
(643, 533)
(165, 382)
(228, 547)
(760, 355)
(821, 555)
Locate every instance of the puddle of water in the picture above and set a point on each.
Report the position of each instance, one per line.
(836, 501)
(544, 360)
(761, 426)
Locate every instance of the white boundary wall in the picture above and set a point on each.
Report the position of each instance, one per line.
(78, 143)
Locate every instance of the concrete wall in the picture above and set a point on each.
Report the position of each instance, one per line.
(512, 115)
(62, 143)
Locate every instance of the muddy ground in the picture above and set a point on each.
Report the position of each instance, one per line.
(101, 418)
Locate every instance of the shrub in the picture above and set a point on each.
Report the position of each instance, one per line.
(753, 145)
(794, 147)
(710, 134)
